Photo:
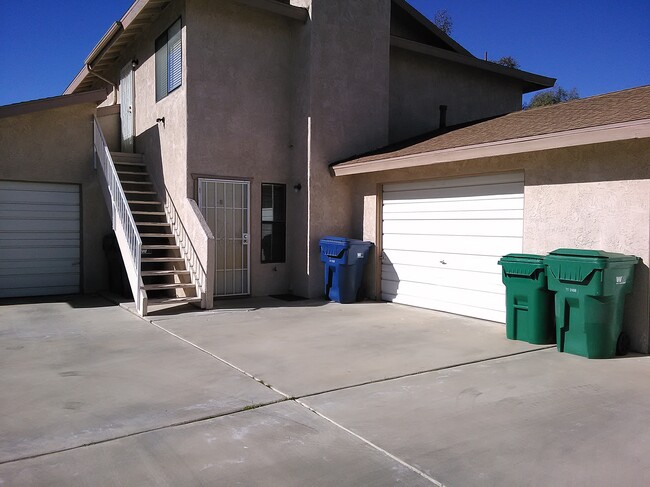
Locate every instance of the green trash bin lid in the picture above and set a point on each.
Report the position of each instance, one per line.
(521, 264)
(575, 265)
(595, 256)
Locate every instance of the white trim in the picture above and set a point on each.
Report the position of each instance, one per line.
(638, 129)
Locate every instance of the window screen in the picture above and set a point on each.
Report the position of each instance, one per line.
(169, 61)
(274, 222)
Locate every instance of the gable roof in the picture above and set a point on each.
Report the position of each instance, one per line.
(32, 106)
(614, 116)
(108, 49)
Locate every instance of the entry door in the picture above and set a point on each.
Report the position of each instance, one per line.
(127, 107)
(225, 207)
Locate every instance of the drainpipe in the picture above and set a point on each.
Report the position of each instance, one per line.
(90, 70)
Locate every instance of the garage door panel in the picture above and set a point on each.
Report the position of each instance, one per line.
(42, 266)
(478, 263)
(442, 241)
(457, 193)
(34, 225)
(495, 246)
(486, 228)
(459, 279)
(486, 204)
(469, 181)
(464, 215)
(68, 252)
(476, 299)
(14, 292)
(39, 239)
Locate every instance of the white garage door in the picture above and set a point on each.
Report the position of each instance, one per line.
(39, 239)
(442, 240)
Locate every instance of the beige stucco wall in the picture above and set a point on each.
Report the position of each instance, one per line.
(348, 110)
(595, 196)
(241, 89)
(56, 146)
(419, 84)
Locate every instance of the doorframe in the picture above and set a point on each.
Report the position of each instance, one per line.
(247, 183)
(128, 68)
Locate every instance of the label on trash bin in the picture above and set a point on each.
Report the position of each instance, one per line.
(359, 255)
(620, 279)
(572, 290)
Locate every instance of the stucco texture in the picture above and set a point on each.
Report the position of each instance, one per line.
(592, 197)
(56, 146)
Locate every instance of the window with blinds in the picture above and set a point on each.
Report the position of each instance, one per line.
(274, 215)
(169, 61)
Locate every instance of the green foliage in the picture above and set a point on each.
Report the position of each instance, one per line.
(552, 97)
(443, 21)
(508, 62)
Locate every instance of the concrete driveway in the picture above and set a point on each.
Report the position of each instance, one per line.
(264, 392)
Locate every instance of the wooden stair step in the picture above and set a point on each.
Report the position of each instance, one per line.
(162, 287)
(140, 202)
(162, 259)
(137, 182)
(137, 173)
(134, 191)
(156, 235)
(130, 164)
(152, 224)
(161, 247)
(172, 300)
(150, 213)
(170, 272)
(127, 156)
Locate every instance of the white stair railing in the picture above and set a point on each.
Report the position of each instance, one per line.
(192, 261)
(126, 231)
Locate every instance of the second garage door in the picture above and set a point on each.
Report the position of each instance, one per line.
(39, 239)
(442, 239)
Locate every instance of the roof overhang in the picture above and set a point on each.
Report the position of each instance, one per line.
(142, 13)
(431, 27)
(109, 48)
(638, 129)
(23, 108)
(531, 81)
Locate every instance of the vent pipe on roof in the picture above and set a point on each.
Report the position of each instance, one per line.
(443, 117)
(90, 70)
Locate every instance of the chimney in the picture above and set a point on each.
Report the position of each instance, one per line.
(443, 117)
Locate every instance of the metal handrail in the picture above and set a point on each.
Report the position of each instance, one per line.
(199, 275)
(124, 226)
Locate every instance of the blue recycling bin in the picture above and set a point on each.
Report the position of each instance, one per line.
(344, 261)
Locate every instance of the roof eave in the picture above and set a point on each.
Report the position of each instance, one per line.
(433, 28)
(638, 129)
(60, 101)
(531, 81)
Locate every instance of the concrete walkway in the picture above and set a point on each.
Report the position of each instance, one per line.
(264, 392)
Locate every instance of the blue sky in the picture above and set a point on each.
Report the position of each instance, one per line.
(595, 46)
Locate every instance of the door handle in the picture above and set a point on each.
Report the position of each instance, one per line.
(244, 238)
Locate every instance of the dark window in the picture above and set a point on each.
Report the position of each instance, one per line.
(274, 228)
(169, 61)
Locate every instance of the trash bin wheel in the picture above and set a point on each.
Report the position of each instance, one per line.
(622, 344)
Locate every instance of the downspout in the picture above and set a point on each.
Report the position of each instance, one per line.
(90, 70)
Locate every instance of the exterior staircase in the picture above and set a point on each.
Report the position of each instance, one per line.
(165, 276)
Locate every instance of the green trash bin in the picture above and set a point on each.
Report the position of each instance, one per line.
(590, 287)
(529, 304)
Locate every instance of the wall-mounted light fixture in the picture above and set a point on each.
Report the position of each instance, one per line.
(134, 63)
(161, 120)
(297, 187)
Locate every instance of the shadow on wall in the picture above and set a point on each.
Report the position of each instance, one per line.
(148, 143)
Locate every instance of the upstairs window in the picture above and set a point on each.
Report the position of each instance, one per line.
(169, 61)
(274, 216)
